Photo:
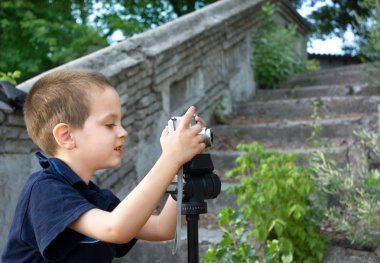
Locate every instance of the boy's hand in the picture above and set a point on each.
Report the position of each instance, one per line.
(184, 143)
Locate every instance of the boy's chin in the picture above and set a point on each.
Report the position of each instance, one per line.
(113, 165)
(116, 165)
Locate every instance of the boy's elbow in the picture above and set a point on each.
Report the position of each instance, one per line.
(164, 234)
(119, 234)
(118, 237)
(169, 234)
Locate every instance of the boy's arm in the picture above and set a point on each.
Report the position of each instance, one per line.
(161, 227)
(127, 219)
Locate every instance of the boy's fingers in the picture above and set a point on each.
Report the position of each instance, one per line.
(200, 138)
(197, 128)
(200, 120)
(165, 131)
(186, 118)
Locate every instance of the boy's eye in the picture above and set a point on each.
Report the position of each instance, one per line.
(111, 125)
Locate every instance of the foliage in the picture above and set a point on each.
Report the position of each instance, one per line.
(237, 244)
(10, 76)
(313, 65)
(370, 45)
(38, 35)
(315, 137)
(335, 18)
(316, 127)
(274, 56)
(371, 140)
(351, 197)
(218, 111)
(34, 39)
(273, 208)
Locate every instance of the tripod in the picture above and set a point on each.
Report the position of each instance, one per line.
(200, 184)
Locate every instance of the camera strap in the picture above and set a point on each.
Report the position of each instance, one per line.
(177, 242)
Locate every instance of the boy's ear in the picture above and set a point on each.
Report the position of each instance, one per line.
(63, 137)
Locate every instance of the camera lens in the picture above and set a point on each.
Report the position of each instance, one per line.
(207, 134)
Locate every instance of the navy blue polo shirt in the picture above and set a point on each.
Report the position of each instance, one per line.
(50, 201)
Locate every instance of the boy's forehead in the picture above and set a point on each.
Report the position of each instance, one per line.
(96, 88)
(106, 97)
(95, 91)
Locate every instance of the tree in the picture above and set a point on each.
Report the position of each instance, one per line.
(41, 34)
(38, 35)
(370, 46)
(338, 17)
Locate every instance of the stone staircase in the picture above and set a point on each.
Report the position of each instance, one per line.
(281, 120)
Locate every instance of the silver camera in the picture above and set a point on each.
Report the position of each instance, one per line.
(174, 122)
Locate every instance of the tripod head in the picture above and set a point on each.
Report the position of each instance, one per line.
(200, 184)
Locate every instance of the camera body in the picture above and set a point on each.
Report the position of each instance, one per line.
(174, 122)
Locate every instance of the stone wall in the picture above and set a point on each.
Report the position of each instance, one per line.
(193, 60)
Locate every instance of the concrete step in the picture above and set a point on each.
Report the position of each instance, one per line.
(354, 74)
(317, 91)
(290, 134)
(297, 109)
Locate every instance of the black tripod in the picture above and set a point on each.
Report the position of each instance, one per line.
(200, 184)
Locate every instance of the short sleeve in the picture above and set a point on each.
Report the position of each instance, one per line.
(53, 206)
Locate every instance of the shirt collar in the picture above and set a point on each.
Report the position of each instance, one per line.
(59, 167)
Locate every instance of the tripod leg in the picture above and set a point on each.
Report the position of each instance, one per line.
(192, 238)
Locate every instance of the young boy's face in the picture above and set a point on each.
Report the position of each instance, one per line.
(99, 143)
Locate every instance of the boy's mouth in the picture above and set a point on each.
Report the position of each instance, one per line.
(118, 148)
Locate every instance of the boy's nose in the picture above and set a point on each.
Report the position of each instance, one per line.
(123, 132)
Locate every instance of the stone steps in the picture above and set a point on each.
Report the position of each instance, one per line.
(326, 90)
(280, 120)
(291, 134)
(352, 75)
(296, 109)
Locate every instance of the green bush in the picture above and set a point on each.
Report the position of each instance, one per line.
(312, 65)
(274, 55)
(218, 111)
(10, 76)
(273, 209)
(350, 195)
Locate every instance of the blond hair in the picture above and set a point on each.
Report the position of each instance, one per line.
(59, 97)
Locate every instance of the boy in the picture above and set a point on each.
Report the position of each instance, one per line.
(75, 117)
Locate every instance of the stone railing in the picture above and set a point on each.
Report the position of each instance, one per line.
(193, 60)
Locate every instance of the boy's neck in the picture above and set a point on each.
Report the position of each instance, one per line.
(79, 168)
